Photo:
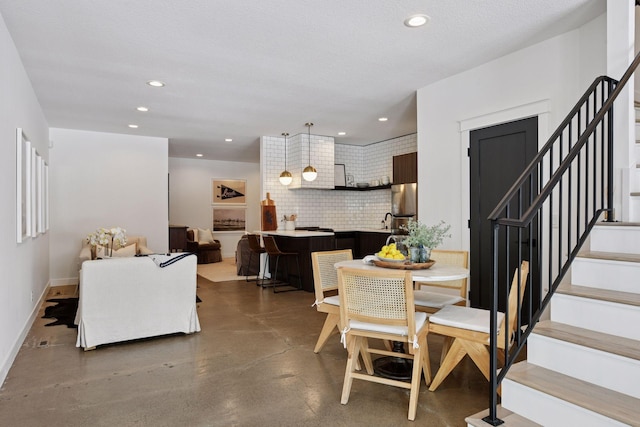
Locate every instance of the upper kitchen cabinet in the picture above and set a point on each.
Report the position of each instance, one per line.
(320, 157)
(405, 168)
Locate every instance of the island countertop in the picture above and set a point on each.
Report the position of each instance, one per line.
(296, 233)
(314, 233)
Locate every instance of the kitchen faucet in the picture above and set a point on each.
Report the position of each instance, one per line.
(388, 214)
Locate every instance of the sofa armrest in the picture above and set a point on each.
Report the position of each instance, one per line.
(143, 250)
(85, 254)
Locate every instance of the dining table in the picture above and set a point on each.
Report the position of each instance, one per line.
(399, 368)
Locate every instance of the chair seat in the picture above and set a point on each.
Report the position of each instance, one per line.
(472, 319)
(421, 319)
(435, 299)
(333, 300)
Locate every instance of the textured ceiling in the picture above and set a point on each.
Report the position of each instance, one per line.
(242, 69)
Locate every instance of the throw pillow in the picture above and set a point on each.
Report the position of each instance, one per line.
(205, 236)
(127, 251)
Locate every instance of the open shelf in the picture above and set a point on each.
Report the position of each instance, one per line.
(377, 187)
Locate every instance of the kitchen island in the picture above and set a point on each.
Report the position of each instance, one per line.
(303, 242)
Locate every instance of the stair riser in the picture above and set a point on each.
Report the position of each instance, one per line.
(606, 274)
(597, 367)
(601, 316)
(547, 410)
(623, 239)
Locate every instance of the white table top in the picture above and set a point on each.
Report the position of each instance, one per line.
(436, 273)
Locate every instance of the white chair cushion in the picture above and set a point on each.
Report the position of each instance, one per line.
(434, 299)
(472, 319)
(421, 319)
(333, 300)
(205, 236)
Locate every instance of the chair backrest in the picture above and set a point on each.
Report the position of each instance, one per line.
(515, 300)
(254, 243)
(270, 245)
(377, 296)
(325, 275)
(455, 258)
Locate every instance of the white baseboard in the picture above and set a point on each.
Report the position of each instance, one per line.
(15, 348)
(64, 281)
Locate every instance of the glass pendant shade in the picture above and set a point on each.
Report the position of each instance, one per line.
(285, 176)
(309, 173)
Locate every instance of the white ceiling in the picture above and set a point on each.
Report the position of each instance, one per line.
(242, 69)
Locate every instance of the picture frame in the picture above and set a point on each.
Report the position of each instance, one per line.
(339, 175)
(228, 191)
(33, 186)
(46, 197)
(39, 195)
(23, 186)
(229, 219)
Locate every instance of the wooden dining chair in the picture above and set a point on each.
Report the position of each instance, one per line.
(379, 304)
(469, 330)
(325, 284)
(440, 294)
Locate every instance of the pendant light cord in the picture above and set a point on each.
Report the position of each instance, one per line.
(308, 125)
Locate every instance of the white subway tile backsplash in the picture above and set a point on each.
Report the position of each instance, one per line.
(330, 208)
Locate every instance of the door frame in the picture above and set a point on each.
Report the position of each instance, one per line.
(541, 109)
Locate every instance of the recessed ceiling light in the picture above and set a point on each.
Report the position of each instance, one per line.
(228, 140)
(143, 109)
(133, 126)
(342, 133)
(383, 119)
(199, 155)
(416, 20)
(155, 83)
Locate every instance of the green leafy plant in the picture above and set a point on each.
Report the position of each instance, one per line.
(426, 236)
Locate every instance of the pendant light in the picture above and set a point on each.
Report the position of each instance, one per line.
(309, 173)
(285, 176)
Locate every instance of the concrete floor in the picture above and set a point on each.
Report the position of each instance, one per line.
(251, 365)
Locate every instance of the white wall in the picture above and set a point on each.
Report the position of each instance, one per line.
(105, 180)
(555, 72)
(24, 267)
(190, 195)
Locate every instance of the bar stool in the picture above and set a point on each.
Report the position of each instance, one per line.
(254, 248)
(273, 251)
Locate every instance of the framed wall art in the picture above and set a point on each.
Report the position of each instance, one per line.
(229, 219)
(228, 191)
(23, 186)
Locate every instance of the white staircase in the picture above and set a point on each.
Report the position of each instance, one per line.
(583, 365)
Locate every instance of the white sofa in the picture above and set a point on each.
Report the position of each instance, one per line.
(128, 298)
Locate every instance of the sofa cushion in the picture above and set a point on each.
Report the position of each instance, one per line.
(205, 236)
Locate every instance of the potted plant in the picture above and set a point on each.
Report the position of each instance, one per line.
(422, 238)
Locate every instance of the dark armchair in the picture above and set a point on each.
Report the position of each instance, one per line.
(207, 252)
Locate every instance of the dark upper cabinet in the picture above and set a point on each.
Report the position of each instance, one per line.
(405, 168)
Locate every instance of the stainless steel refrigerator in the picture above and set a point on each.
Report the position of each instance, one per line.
(404, 205)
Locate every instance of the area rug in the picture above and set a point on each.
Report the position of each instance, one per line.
(64, 311)
(220, 271)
